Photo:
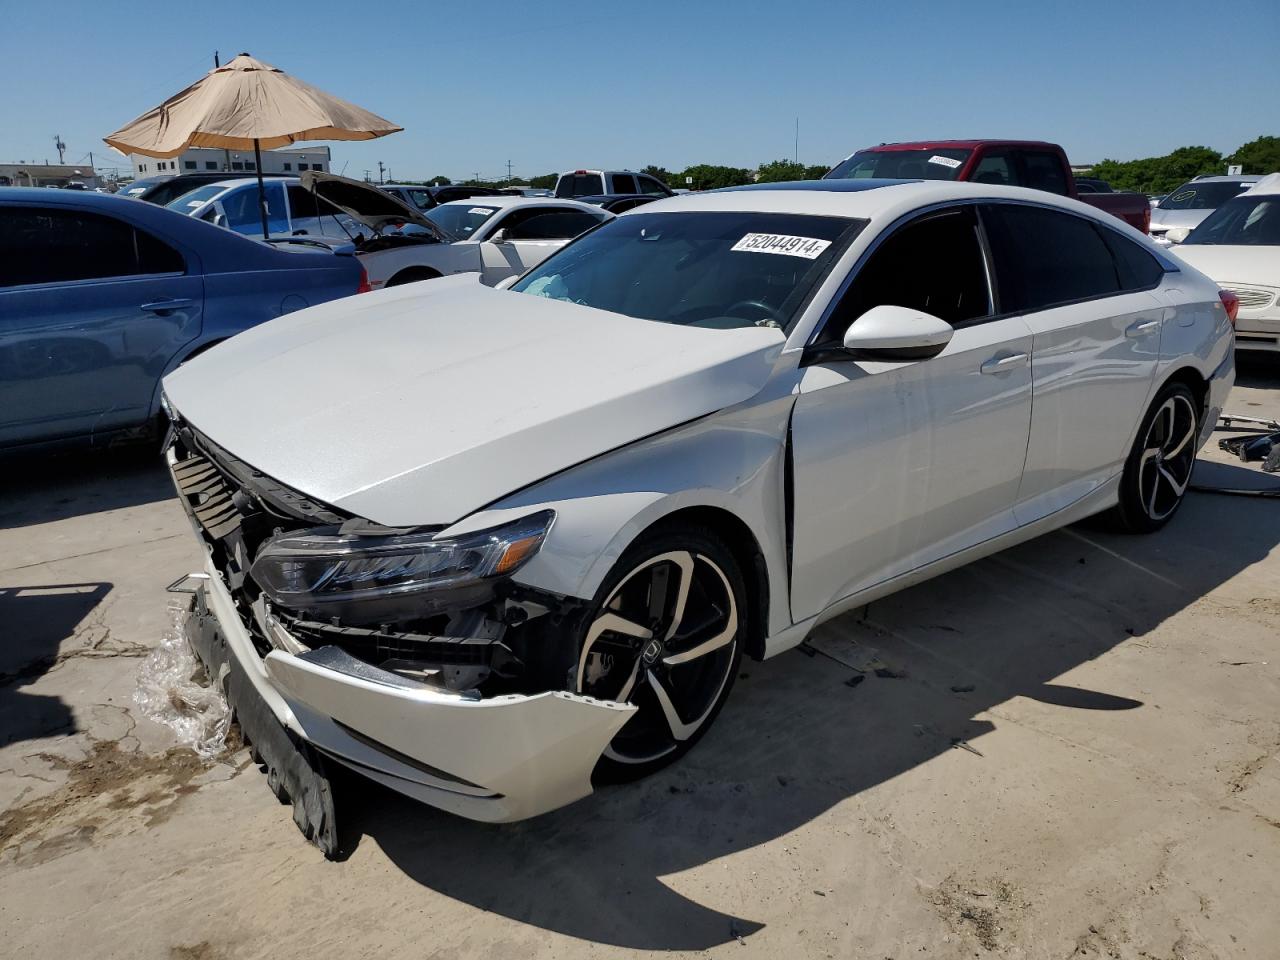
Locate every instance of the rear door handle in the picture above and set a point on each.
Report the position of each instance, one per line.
(1005, 364)
(164, 306)
(1141, 328)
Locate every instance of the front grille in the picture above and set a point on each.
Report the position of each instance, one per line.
(1251, 299)
(209, 497)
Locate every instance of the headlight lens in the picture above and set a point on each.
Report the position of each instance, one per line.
(307, 570)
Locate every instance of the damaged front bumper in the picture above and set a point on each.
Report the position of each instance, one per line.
(493, 759)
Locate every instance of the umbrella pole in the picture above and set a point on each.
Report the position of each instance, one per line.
(262, 190)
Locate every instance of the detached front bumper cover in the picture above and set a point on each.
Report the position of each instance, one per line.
(498, 759)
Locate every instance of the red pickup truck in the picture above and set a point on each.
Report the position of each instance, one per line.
(1013, 163)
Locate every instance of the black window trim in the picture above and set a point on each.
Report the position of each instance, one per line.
(813, 352)
(85, 281)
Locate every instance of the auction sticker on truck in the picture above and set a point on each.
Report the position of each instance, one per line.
(808, 247)
(945, 161)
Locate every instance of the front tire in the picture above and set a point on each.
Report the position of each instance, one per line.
(1158, 470)
(665, 634)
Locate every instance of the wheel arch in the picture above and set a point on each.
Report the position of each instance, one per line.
(412, 275)
(744, 546)
(1195, 381)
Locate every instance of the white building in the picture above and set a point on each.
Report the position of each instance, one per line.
(202, 159)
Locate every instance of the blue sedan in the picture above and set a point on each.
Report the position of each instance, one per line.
(100, 297)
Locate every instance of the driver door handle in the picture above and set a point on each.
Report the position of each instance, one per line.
(1012, 362)
(164, 306)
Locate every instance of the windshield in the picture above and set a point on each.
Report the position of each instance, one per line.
(1244, 221)
(942, 164)
(188, 202)
(719, 270)
(1202, 195)
(459, 220)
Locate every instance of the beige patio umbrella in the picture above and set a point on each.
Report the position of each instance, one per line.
(246, 103)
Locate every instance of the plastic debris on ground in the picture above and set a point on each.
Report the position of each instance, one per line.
(174, 690)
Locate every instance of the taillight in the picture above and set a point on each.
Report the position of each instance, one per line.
(1146, 219)
(1232, 304)
(363, 286)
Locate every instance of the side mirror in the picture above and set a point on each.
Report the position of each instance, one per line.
(506, 282)
(499, 236)
(898, 333)
(1177, 234)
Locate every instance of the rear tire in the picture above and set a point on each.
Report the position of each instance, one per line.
(665, 633)
(1158, 469)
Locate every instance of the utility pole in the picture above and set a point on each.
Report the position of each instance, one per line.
(508, 173)
(92, 171)
(57, 142)
(477, 179)
(366, 176)
(380, 169)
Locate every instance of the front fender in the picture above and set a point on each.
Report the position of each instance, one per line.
(732, 461)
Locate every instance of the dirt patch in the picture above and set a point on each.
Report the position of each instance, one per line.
(106, 784)
(195, 951)
(986, 911)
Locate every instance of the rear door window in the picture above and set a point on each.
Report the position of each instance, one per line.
(622, 183)
(1136, 268)
(45, 245)
(1043, 170)
(650, 185)
(548, 224)
(1044, 258)
(579, 185)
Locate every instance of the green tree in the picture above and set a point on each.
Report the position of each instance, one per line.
(1160, 174)
(816, 172)
(545, 182)
(780, 171)
(1258, 156)
(658, 173)
(440, 181)
(711, 177)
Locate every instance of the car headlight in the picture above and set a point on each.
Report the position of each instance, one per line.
(404, 575)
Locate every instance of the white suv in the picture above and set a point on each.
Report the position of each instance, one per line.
(597, 183)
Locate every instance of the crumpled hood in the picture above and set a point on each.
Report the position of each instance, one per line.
(1226, 264)
(421, 404)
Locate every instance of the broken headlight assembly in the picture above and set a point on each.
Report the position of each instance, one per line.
(359, 578)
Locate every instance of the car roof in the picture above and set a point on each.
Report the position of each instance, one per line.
(877, 200)
(506, 200)
(1266, 185)
(956, 144)
(1242, 178)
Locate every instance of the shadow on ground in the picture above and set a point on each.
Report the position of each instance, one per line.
(795, 739)
(56, 487)
(34, 621)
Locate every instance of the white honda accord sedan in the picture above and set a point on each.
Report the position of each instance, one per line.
(485, 544)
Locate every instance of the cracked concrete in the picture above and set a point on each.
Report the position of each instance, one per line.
(1067, 750)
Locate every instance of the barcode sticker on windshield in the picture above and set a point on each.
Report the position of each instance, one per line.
(807, 247)
(481, 211)
(945, 161)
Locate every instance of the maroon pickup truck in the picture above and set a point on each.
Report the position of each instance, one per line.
(1013, 163)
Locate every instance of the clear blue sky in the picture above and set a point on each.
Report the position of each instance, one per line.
(552, 86)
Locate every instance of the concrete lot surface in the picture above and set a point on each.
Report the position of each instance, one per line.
(1069, 749)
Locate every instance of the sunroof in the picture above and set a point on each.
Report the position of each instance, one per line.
(831, 186)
